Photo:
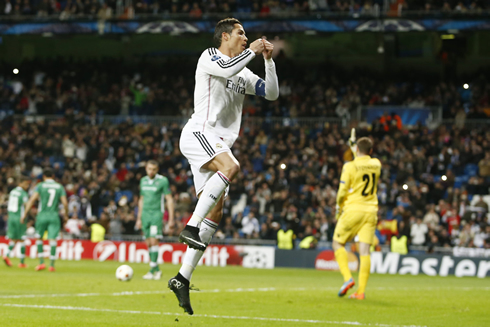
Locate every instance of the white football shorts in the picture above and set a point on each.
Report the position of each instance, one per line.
(199, 148)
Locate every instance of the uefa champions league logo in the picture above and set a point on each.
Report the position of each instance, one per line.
(103, 250)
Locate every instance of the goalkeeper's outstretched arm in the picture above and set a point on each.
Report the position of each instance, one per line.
(352, 142)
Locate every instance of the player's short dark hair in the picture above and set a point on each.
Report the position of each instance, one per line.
(365, 145)
(24, 178)
(225, 25)
(152, 162)
(48, 172)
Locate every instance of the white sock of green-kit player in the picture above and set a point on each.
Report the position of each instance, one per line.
(210, 195)
(191, 256)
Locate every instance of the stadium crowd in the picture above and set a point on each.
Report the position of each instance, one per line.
(431, 179)
(116, 87)
(289, 177)
(69, 9)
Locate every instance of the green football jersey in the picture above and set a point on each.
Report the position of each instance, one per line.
(153, 192)
(17, 198)
(50, 193)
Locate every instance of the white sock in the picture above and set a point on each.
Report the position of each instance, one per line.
(211, 194)
(191, 256)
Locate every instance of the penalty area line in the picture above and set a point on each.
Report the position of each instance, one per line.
(70, 308)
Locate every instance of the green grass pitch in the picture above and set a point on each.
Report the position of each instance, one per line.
(86, 293)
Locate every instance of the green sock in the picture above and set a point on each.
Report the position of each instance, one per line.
(154, 259)
(40, 253)
(22, 252)
(53, 255)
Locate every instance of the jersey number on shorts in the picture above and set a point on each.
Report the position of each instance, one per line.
(52, 194)
(13, 204)
(367, 179)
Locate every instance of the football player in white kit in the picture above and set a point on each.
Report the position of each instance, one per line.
(222, 81)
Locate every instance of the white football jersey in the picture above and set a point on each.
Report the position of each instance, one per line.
(221, 85)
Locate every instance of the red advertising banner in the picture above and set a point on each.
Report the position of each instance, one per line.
(215, 255)
(325, 260)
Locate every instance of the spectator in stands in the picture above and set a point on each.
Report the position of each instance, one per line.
(466, 235)
(480, 205)
(431, 218)
(195, 12)
(250, 226)
(418, 232)
(312, 152)
(484, 165)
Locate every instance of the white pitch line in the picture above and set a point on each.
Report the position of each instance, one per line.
(354, 323)
(80, 294)
(238, 290)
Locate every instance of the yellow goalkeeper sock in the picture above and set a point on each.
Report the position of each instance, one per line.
(364, 273)
(341, 257)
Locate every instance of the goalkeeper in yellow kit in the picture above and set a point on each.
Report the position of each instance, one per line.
(357, 208)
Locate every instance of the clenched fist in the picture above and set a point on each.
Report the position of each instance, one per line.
(257, 46)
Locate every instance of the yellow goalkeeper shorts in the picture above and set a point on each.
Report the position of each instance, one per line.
(352, 223)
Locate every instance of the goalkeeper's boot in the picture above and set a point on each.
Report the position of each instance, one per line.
(356, 296)
(7, 261)
(148, 276)
(180, 286)
(190, 236)
(346, 286)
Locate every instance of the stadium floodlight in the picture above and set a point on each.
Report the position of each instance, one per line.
(283, 166)
(466, 86)
(405, 187)
(444, 178)
(15, 71)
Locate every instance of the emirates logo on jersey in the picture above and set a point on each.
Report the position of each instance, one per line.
(238, 88)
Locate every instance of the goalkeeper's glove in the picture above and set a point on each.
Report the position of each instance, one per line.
(352, 142)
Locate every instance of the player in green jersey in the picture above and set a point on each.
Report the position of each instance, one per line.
(16, 231)
(49, 193)
(154, 193)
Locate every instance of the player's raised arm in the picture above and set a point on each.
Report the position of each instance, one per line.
(29, 205)
(212, 63)
(269, 88)
(271, 85)
(352, 142)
